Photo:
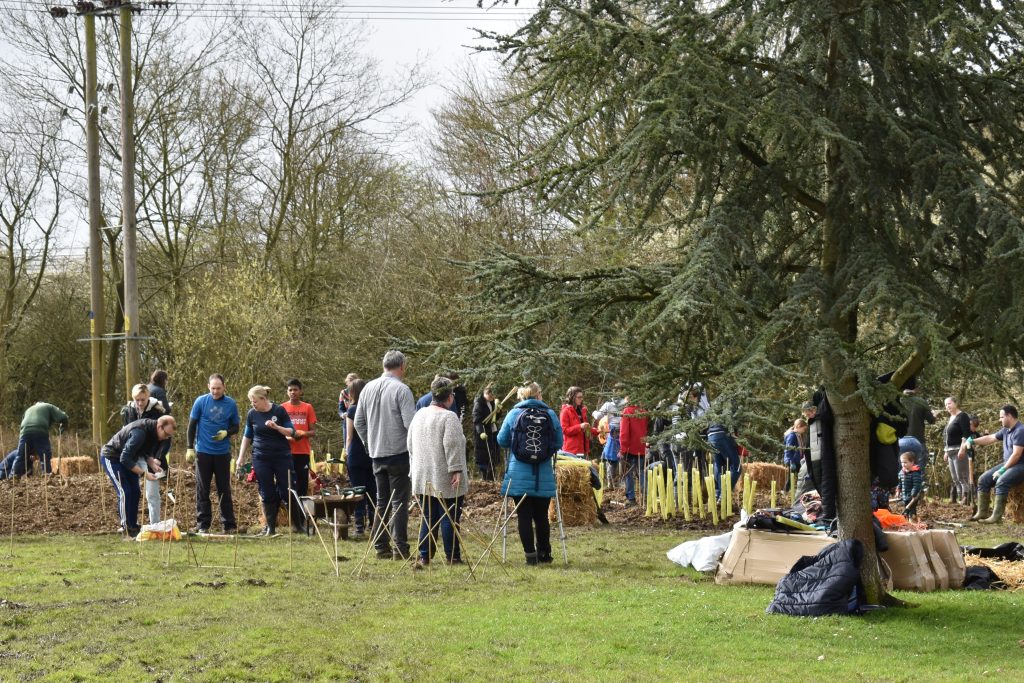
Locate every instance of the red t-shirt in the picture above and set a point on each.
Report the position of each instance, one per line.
(303, 418)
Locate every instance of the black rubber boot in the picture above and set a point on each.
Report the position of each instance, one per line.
(531, 558)
(270, 512)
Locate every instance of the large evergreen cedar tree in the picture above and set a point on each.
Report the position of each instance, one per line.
(801, 192)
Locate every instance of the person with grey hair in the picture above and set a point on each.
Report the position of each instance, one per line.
(383, 415)
(437, 464)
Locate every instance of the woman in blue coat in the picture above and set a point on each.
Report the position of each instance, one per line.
(531, 486)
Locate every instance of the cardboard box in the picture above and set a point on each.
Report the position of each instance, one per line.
(906, 557)
(938, 567)
(756, 556)
(945, 543)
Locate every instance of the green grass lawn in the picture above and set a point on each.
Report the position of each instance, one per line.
(95, 608)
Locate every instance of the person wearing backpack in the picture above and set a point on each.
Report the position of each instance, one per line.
(532, 433)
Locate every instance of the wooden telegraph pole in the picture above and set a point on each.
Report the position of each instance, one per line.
(97, 317)
(131, 283)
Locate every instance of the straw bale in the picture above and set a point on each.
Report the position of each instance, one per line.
(1015, 505)
(575, 495)
(1011, 572)
(763, 473)
(79, 464)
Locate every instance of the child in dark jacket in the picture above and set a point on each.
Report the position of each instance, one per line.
(911, 480)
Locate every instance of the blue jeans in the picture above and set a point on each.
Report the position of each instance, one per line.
(727, 455)
(126, 486)
(272, 474)
(34, 444)
(634, 465)
(434, 516)
(362, 475)
(1007, 480)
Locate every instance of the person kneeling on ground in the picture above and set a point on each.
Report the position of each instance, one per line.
(1002, 477)
(437, 466)
(266, 427)
(130, 454)
(531, 485)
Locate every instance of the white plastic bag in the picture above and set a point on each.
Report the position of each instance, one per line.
(703, 554)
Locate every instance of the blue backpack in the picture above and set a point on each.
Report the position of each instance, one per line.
(533, 436)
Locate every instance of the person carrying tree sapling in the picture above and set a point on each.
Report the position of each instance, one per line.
(134, 452)
(211, 422)
(267, 427)
(1005, 476)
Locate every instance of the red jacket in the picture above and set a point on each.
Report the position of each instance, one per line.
(575, 441)
(632, 432)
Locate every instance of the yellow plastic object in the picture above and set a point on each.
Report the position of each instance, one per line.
(797, 525)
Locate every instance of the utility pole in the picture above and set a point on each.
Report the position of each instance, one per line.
(131, 283)
(97, 316)
(97, 322)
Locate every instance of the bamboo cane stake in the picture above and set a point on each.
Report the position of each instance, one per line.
(375, 535)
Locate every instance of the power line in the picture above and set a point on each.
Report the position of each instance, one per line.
(362, 12)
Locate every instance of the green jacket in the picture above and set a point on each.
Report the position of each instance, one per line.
(40, 417)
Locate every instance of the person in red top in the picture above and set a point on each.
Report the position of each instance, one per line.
(633, 447)
(304, 421)
(576, 426)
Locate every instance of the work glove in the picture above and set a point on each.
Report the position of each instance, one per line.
(190, 455)
(221, 435)
(996, 474)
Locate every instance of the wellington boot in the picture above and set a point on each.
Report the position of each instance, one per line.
(531, 558)
(998, 508)
(984, 497)
(270, 512)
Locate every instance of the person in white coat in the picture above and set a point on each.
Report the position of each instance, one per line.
(437, 467)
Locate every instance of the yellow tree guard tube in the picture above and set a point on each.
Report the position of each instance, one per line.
(712, 508)
(668, 497)
(723, 499)
(729, 492)
(792, 488)
(797, 525)
(684, 501)
(774, 487)
(750, 501)
(698, 494)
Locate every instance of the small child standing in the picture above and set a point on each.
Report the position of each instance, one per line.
(911, 482)
(793, 454)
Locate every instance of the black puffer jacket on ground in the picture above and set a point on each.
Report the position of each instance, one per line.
(823, 584)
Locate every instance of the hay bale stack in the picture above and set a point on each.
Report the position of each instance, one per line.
(764, 473)
(1015, 505)
(576, 496)
(79, 464)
